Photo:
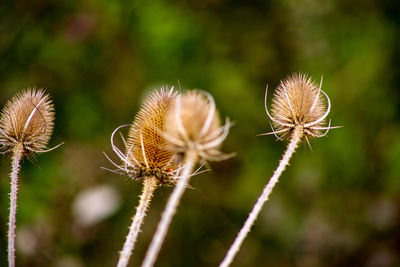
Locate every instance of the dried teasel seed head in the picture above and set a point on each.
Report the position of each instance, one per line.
(194, 124)
(298, 102)
(146, 152)
(27, 120)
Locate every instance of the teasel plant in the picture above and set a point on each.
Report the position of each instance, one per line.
(298, 113)
(146, 159)
(26, 125)
(194, 133)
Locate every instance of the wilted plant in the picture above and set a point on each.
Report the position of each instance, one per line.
(147, 158)
(194, 131)
(297, 112)
(26, 125)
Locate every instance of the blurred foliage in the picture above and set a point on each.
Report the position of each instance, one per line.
(338, 205)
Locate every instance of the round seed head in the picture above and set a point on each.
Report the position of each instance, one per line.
(297, 101)
(27, 119)
(194, 124)
(146, 148)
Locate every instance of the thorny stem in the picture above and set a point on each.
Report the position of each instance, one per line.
(170, 210)
(291, 148)
(149, 185)
(16, 160)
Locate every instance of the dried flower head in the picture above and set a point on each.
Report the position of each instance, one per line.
(194, 124)
(297, 103)
(297, 112)
(146, 152)
(27, 120)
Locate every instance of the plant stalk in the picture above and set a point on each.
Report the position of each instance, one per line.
(149, 185)
(170, 210)
(291, 148)
(16, 161)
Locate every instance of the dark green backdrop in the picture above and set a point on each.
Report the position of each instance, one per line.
(338, 205)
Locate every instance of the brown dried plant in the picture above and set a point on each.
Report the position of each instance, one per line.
(297, 112)
(26, 125)
(147, 158)
(296, 103)
(193, 130)
(28, 120)
(194, 125)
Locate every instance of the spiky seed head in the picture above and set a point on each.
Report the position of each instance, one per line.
(146, 148)
(194, 109)
(28, 120)
(298, 101)
(194, 124)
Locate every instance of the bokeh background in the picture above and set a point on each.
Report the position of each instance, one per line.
(337, 205)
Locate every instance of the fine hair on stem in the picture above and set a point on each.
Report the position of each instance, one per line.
(146, 158)
(193, 130)
(26, 125)
(298, 112)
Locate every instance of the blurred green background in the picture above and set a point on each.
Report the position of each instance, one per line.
(338, 205)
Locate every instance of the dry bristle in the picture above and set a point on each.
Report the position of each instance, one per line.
(297, 101)
(194, 124)
(28, 119)
(145, 144)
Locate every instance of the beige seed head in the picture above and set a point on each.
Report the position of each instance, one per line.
(146, 152)
(28, 120)
(194, 124)
(144, 140)
(297, 102)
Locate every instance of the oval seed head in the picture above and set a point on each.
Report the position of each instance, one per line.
(297, 102)
(194, 124)
(146, 148)
(28, 120)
